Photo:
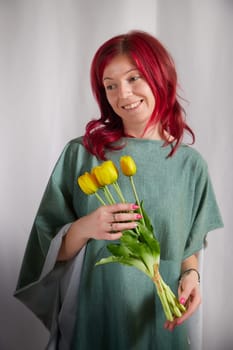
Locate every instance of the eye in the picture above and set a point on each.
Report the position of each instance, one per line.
(110, 87)
(134, 78)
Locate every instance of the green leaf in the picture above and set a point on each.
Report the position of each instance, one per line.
(125, 261)
(146, 218)
(150, 240)
(140, 250)
(109, 259)
(118, 250)
(132, 243)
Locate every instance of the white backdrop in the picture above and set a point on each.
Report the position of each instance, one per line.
(45, 100)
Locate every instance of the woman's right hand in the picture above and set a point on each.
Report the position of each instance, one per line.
(108, 222)
(105, 223)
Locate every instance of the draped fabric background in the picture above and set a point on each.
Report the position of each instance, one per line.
(45, 100)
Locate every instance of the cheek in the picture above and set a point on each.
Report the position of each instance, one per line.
(111, 101)
(151, 98)
(145, 90)
(153, 101)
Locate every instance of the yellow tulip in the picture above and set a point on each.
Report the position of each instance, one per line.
(88, 183)
(128, 165)
(106, 173)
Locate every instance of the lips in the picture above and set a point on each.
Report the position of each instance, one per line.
(133, 105)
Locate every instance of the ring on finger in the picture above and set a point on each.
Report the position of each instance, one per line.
(114, 217)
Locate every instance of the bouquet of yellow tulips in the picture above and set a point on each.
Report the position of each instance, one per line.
(137, 247)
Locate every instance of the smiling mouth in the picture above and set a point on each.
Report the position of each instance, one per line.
(132, 105)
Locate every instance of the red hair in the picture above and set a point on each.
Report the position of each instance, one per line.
(157, 67)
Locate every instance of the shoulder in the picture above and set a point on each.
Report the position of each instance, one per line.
(191, 161)
(72, 151)
(74, 143)
(74, 147)
(193, 155)
(75, 153)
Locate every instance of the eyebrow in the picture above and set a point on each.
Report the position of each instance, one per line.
(130, 70)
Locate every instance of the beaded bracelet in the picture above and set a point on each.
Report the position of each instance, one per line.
(187, 272)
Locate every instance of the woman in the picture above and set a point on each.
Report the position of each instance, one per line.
(114, 307)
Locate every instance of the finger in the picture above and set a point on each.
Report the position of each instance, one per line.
(121, 207)
(113, 236)
(123, 217)
(187, 287)
(191, 306)
(189, 293)
(185, 295)
(170, 325)
(191, 303)
(122, 226)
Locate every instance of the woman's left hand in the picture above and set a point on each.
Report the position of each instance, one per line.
(190, 296)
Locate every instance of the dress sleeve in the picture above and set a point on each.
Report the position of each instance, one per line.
(40, 274)
(205, 215)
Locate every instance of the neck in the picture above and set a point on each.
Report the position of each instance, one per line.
(150, 134)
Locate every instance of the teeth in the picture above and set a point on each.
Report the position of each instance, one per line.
(132, 105)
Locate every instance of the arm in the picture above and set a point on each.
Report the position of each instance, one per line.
(188, 291)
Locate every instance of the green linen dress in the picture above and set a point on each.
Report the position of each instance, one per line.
(116, 307)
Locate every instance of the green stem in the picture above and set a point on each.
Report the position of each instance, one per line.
(136, 198)
(118, 191)
(108, 195)
(174, 304)
(100, 199)
(158, 281)
(165, 304)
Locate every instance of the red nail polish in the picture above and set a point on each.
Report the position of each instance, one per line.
(135, 206)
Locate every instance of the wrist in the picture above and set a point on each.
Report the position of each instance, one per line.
(79, 229)
(72, 242)
(189, 271)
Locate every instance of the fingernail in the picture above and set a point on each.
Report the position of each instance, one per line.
(182, 301)
(138, 216)
(135, 206)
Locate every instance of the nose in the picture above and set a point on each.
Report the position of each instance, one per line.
(124, 90)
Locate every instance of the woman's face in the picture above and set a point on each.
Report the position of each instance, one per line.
(128, 93)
